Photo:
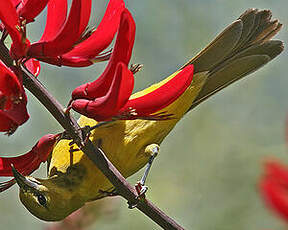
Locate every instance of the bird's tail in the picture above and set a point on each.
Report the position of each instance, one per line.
(243, 47)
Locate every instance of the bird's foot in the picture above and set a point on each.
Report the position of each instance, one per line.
(141, 190)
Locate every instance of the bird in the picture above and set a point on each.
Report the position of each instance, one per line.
(73, 180)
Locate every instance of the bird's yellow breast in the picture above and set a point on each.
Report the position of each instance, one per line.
(123, 142)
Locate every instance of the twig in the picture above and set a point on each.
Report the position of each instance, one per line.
(94, 154)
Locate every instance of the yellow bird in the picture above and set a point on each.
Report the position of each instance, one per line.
(243, 47)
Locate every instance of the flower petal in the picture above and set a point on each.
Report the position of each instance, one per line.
(14, 117)
(69, 33)
(30, 9)
(13, 110)
(75, 61)
(10, 86)
(56, 17)
(104, 108)
(163, 96)
(9, 18)
(33, 66)
(121, 53)
(29, 162)
(100, 38)
(16, 2)
(6, 123)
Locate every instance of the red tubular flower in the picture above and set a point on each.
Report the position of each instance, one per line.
(116, 102)
(107, 97)
(274, 188)
(121, 53)
(104, 108)
(86, 52)
(13, 101)
(70, 31)
(28, 162)
(161, 97)
(10, 19)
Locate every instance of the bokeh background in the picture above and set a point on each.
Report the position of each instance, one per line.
(207, 173)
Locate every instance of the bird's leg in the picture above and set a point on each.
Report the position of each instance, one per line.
(152, 150)
(71, 151)
(86, 132)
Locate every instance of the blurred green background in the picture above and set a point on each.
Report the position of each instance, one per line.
(207, 173)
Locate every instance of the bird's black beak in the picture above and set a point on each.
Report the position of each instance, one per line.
(24, 182)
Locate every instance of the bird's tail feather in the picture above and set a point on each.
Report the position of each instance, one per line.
(243, 47)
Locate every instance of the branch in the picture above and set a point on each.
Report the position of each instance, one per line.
(94, 154)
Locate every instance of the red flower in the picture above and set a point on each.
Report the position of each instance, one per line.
(274, 187)
(107, 106)
(62, 42)
(12, 101)
(108, 96)
(9, 18)
(86, 52)
(28, 162)
(57, 38)
(145, 105)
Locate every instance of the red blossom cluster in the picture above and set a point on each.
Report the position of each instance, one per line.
(67, 41)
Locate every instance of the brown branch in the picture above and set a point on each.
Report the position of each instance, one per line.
(94, 154)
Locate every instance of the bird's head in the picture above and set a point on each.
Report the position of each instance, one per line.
(44, 199)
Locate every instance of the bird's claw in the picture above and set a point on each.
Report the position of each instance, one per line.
(131, 205)
(141, 190)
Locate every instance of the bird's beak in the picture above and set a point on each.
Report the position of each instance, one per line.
(24, 182)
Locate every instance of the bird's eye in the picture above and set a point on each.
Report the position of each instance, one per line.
(41, 199)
